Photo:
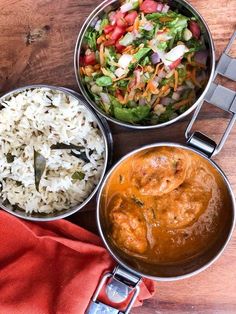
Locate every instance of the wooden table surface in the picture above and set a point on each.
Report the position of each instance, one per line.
(37, 39)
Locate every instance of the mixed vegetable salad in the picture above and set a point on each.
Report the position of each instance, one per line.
(144, 63)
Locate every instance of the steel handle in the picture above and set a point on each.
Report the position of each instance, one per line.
(221, 97)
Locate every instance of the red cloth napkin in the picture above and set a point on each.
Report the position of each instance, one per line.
(51, 267)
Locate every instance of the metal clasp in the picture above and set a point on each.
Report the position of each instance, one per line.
(121, 284)
(220, 96)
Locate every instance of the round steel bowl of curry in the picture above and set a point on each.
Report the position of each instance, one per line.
(165, 211)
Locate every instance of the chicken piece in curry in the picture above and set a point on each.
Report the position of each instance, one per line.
(163, 204)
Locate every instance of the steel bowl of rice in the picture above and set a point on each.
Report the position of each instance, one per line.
(54, 152)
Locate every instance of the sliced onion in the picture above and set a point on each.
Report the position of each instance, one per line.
(142, 102)
(111, 17)
(182, 88)
(201, 57)
(176, 96)
(119, 72)
(189, 84)
(155, 58)
(165, 9)
(94, 21)
(163, 36)
(174, 54)
(137, 74)
(148, 27)
(126, 7)
(157, 79)
(98, 25)
(105, 98)
(125, 60)
(159, 7)
(165, 101)
(162, 74)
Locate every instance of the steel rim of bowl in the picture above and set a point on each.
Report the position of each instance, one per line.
(92, 103)
(171, 278)
(107, 138)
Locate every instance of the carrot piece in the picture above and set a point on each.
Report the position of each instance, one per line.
(101, 54)
(101, 39)
(132, 51)
(127, 49)
(120, 78)
(181, 103)
(164, 90)
(130, 28)
(136, 23)
(88, 70)
(194, 78)
(97, 67)
(176, 80)
(189, 57)
(120, 97)
(157, 69)
(140, 2)
(81, 70)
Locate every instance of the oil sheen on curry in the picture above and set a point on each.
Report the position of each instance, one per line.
(163, 205)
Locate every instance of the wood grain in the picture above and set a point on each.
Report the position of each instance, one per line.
(37, 39)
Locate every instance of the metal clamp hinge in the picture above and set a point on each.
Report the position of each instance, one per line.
(220, 96)
(121, 284)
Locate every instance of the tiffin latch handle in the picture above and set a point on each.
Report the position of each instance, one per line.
(220, 96)
(120, 285)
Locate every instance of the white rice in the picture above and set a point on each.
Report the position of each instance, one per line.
(31, 121)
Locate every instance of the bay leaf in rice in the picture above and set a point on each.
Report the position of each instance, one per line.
(39, 167)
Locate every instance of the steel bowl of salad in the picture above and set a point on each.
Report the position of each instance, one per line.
(144, 64)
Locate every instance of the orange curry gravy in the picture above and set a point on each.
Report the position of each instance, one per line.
(164, 205)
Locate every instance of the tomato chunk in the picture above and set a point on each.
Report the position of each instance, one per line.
(119, 47)
(110, 42)
(117, 33)
(90, 59)
(195, 29)
(130, 17)
(151, 6)
(119, 15)
(108, 28)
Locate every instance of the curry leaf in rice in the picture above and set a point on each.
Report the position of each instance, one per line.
(78, 151)
(10, 158)
(78, 175)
